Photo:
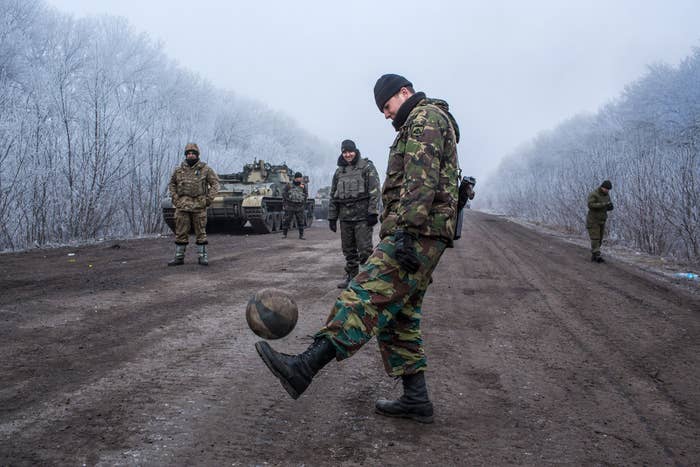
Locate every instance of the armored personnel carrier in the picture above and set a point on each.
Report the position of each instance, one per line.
(323, 199)
(251, 198)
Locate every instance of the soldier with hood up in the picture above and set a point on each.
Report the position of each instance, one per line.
(193, 186)
(385, 298)
(294, 197)
(354, 198)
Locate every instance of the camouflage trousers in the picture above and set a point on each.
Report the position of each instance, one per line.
(356, 239)
(290, 214)
(596, 232)
(384, 300)
(190, 220)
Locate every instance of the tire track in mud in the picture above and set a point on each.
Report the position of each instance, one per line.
(530, 356)
(594, 340)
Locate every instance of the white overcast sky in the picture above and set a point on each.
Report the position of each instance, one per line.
(509, 69)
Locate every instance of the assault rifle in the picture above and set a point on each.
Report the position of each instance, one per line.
(466, 192)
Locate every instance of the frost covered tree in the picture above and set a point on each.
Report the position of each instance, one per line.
(647, 142)
(95, 118)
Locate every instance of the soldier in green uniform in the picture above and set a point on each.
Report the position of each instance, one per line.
(192, 187)
(418, 222)
(598, 206)
(294, 196)
(354, 198)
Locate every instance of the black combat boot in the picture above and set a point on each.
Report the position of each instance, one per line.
(284, 233)
(414, 403)
(301, 234)
(295, 372)
(597, 258)
(179, 256)
(203, 257)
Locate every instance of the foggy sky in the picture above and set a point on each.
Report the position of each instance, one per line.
(508, 69)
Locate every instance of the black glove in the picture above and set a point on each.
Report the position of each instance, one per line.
(609, 207)
(333, 224)
(371, 219)
(405, 251)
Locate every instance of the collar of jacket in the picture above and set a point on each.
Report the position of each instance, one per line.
(444, 107)
(405, 109)
(198, 165)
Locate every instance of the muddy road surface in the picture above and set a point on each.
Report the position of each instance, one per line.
(536, 356)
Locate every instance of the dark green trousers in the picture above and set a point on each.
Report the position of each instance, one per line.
(356, 240)
(596, 232)
(290, 214)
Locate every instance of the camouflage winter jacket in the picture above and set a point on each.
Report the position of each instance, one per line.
(420, 190)
(295, 196)
(193, 188)
(597, 207)
(354, 190)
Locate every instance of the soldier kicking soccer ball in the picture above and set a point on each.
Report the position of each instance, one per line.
(418, 223)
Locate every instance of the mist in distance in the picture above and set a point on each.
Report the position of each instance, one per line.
(509, 70)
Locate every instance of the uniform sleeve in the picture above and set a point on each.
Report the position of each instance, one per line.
(424, 146)
(213, 182)
(172, 186)
(372, 188)
(594, 203)
(332, 208)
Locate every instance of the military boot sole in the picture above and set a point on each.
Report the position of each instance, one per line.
(401, 412)
(266, 353)
(203, 262)
(176, 263)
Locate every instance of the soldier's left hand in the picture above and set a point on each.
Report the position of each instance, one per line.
(371, 219)
(609, 207)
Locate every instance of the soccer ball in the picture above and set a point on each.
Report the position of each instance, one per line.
(271, 314)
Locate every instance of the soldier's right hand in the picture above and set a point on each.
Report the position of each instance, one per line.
(406, 254)
(333, 224)
(609, 207)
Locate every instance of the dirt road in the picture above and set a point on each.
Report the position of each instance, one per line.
(536, 356)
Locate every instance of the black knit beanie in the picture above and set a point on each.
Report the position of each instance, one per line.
(298, 175)
(607, 184)
(348, 145)
(387, 86)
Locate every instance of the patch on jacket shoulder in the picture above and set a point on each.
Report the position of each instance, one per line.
(417, 131)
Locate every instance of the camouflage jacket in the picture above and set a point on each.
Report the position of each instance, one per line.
(597, 207)
(295, 196)
(354, 190)
(193, 188)
(420, 190)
